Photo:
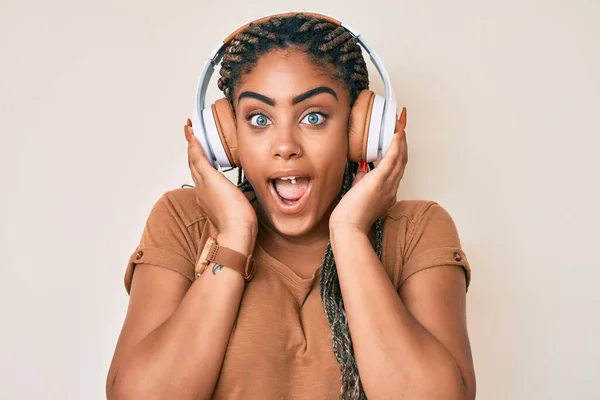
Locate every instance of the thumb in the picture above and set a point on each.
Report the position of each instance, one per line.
(363, 169)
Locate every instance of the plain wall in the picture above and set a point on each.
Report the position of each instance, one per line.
(503, 100)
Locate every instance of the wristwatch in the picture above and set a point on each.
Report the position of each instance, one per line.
(215, 254)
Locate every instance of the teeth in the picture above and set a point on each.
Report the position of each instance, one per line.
(293, 180)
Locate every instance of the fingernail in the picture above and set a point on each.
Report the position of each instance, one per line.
(189, 122)
(403, 117)
(363, 167)
(187, 133)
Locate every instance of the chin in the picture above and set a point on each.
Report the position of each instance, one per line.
(293, 226)
(293, 209)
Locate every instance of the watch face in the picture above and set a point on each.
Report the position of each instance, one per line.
(250, 268)
(204, 261)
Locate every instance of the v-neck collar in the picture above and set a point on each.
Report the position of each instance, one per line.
(261, 254)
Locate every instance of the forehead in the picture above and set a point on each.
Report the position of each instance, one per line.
(282, 74)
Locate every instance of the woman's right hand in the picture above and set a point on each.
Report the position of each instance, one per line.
(223, 203)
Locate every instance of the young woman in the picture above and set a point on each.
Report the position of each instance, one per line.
(353, 294)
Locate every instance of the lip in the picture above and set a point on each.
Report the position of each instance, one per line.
(290, 208)
(289, 172)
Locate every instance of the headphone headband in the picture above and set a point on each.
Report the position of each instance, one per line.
(389, 108)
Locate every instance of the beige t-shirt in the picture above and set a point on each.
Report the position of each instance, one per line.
(281, 347)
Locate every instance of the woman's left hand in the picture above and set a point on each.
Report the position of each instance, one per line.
(373, 192)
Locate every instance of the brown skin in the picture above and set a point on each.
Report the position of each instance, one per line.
(290, 142)
(415, 344)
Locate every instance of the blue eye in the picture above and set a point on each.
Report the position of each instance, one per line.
(314, 118)
(259, 120)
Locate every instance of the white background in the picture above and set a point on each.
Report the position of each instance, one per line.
(502, 100)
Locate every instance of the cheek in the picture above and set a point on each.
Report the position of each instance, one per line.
(251, 158)
(332, 173)
(330, 161)
(331, 144)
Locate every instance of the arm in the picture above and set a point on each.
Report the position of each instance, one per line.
(413, 343)
(175, 334)
(416, 343)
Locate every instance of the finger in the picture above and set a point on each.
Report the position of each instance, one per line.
(390, 160)
(401, 123)
(393, 158)
(195, 151)
(363, 169)
(195, 175)
(398, 171)
(186, 129)
(193, 162)
(403, 160)
(395, 179)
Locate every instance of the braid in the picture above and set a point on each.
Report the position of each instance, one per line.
(327, 45)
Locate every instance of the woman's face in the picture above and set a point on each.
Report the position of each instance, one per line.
(292, 127)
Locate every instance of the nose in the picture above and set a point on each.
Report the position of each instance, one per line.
(286, 144)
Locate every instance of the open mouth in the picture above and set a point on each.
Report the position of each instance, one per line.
(290, 192)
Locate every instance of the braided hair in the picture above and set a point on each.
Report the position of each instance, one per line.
(327, 45)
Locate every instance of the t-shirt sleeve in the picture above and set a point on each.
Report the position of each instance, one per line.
(165, 242)
(433, 242)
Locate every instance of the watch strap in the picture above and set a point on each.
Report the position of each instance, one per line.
(213, 253)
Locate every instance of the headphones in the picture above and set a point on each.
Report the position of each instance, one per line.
(373, 116)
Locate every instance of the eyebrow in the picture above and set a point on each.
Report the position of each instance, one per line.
(314, 92)
(295, 100)
(257, 96)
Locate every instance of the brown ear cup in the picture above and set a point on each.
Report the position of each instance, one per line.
(225, 121)
(360, 117)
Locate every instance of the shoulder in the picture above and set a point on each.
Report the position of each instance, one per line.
(418, 217)
(409, 220)
(412, 210)
(421, 234)
(426, 214)
(179, 204)
(171, 237)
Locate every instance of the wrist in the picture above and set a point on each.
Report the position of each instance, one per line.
(345, 228)
(343, 232)
(240, 241)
